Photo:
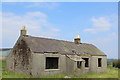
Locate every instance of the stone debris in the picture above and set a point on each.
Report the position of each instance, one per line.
(67, 77)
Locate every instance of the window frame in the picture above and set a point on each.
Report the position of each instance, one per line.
(99, 62)
(79, 64)
(86, 63)
(52, 63)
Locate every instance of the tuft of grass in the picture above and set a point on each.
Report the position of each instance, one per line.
(111, 73)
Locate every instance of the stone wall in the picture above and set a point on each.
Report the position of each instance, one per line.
(20, 58)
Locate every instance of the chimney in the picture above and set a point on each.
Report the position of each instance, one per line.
(77, 40)
(23, 31)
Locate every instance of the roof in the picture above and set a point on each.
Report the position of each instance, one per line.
(75, 58)
(43, 45)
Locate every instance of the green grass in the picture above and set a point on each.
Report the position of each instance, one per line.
(9, 74)
(111, 73)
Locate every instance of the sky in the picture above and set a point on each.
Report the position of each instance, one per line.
(95, 22)
(60, 0)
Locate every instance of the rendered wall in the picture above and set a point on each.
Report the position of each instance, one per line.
(70, 66)
(83, 69)
(94, 64)
(39, 62)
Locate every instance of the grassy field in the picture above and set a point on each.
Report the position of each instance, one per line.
(111, 73)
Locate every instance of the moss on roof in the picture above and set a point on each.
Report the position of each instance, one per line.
(38, 44)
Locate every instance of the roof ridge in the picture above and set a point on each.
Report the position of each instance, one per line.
(48, 38)
(54, 39)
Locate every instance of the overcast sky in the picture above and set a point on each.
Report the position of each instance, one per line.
(96, 23)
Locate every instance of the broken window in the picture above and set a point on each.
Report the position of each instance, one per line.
(86, 62)
(79, 64)
(99, 62)
(52, 62)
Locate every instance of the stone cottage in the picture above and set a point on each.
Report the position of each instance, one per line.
(39, 56)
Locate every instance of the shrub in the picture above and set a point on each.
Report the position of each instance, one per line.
(116, 63)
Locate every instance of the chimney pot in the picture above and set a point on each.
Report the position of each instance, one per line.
(23, 31)
(77, 40)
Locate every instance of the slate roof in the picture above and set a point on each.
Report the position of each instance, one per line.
(46, 45)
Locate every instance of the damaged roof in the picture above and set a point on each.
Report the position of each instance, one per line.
(46, 45)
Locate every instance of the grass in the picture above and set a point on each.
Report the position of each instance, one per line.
(9, 74)
(111, 73)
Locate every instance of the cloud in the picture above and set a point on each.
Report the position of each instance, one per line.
(36, 23)
(49, 5)
(107, 43)
(107, 39)
(99, 25)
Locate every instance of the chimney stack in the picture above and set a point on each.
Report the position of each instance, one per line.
(77, 40)
(23, 31)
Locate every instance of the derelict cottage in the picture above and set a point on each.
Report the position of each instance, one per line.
(39, 56)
